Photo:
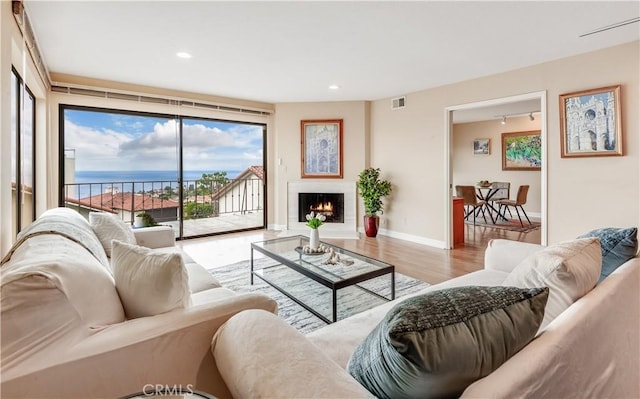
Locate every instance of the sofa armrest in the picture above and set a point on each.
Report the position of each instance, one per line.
(155, 237)
(172, 348)
(504, 255)
(259, 355)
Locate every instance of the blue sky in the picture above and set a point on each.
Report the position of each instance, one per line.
(111, 141)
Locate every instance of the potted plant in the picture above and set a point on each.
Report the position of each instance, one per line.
(138, 221)
(144, 219)
(372, 189)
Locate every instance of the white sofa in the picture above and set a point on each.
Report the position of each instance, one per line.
(64, 331)
(591, 350)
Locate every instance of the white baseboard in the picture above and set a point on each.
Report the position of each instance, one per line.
(410, 237)
(277, 227)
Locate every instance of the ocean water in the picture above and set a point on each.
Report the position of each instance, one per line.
(90, 182)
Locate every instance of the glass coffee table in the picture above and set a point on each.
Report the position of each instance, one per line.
(317, 286)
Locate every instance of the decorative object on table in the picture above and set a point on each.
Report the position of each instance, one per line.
(321, 148)
(521, 150)
(590, 123)
(307, 250)
(144, 219)
(334, 259)
(372, 189)
(314, 221)
(484, 183)
(481, 146)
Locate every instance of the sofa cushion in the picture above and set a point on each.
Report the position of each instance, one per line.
(435, 345)
(618, 246)
(149, 283)
(570, 269)
(108, 227)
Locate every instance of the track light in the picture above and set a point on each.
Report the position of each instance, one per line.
(504, 117)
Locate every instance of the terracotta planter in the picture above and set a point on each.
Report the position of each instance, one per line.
(371, 225)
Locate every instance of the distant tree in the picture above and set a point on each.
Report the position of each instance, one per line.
(209, 183)
(190, 190)
(167, 193)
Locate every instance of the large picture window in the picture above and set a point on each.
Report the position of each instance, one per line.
(201, 176)
(22, 153)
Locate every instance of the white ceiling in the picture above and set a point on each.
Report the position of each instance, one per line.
(292, 51)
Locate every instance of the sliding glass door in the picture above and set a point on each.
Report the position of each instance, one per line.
(223, 176)
(121, 163)
(199, 176)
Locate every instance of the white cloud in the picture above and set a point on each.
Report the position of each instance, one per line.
(94, 150)
(205, 148)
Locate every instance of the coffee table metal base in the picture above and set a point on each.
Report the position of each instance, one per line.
(334, 289)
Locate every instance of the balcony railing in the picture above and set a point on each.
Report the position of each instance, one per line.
(200, 198)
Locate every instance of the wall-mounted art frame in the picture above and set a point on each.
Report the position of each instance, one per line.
(522, 150)
(590, 123)
(321, 148)
(481, 146)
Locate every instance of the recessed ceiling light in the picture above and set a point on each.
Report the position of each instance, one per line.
(183, 54)
(334, 87)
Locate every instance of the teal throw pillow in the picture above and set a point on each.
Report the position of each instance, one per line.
(618, 246)
(435, 345)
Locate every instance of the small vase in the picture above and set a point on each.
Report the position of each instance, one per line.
(314, 239)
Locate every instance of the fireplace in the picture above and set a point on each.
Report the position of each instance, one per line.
(342, 222)
(331, 205)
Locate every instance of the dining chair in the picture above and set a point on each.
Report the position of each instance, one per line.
(520, 200)
(502, 192)
(472, 204)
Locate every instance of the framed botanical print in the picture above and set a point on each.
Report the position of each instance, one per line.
(590, 123)
(522, 150)
(321, 148)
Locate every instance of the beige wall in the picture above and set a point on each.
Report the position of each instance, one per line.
(583, 193)
(285, 160)
(468, 169)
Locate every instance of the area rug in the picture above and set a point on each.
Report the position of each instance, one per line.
(511, 224)
(351, 300)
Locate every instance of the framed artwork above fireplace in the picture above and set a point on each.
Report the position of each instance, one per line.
(321, 148)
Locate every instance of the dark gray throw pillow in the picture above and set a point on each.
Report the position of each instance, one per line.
(435, 345)
(618, 246)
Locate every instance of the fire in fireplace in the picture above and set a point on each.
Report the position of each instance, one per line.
(329, 204)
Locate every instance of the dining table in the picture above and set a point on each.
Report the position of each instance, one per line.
(485, 193)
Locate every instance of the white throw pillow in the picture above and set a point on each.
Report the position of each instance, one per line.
(109, 226)
(149, 283)
(570, 269)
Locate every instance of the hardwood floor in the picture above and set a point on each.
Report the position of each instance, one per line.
(416, 260)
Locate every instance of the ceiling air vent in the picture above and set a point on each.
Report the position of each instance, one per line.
(399, 102)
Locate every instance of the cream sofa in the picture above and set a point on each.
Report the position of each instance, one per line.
(64, 331)
(591, 349)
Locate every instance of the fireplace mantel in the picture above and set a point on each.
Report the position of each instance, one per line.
(348, 229)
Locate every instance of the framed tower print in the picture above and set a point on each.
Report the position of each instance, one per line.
(321, 148)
